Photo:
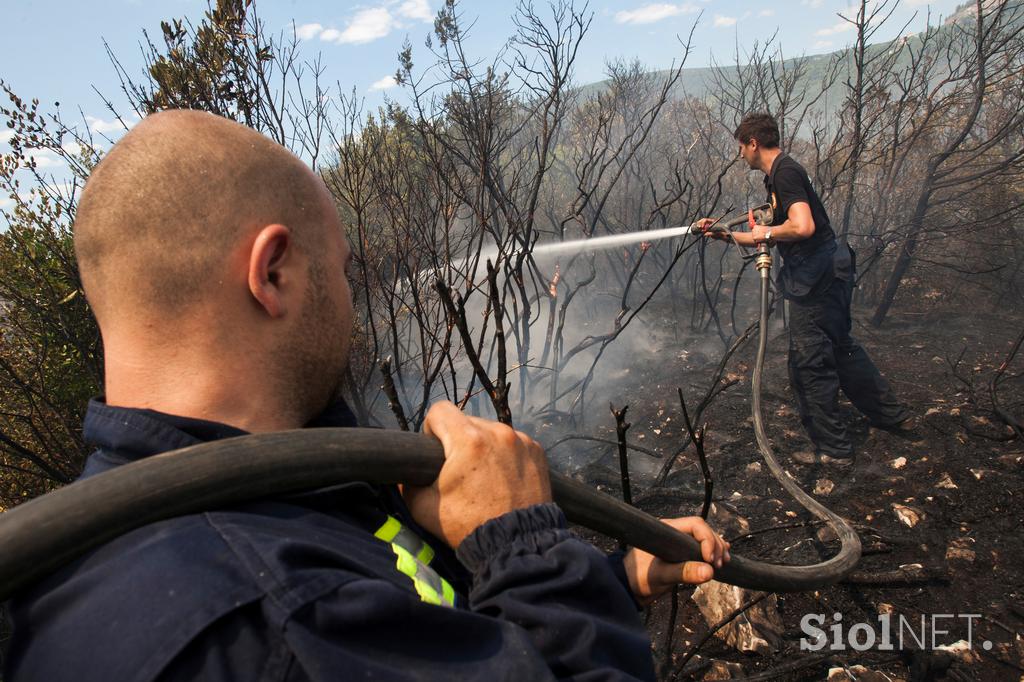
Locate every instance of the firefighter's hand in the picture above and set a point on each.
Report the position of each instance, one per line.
(705, 223)
(489, 469)
(650, 577)
(759, 233)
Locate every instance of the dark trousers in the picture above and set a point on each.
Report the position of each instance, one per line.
(823, 358)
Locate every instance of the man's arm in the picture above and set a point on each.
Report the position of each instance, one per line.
(527, 568)
(543, 604)
(492, 503)
(799, 225)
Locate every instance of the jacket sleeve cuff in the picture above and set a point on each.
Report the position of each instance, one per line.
(522, 531)
(616, 561)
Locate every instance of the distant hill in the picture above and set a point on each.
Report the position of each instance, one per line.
(695, 82)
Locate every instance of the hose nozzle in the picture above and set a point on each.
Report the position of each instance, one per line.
(763, 215)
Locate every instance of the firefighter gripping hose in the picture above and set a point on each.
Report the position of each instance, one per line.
(41, 535)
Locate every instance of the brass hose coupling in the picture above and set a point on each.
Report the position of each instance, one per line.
(764, 259)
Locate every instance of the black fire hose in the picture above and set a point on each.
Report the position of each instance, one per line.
(43, 534)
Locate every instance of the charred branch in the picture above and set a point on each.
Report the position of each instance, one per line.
(697, 438)
(392, 395)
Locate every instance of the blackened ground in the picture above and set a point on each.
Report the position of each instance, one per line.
(961, 478)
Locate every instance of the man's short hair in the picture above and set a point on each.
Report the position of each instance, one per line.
(160, 213)
(758, 126)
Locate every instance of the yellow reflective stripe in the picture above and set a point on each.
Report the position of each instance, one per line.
(430, 586)
(406, 562)
(422, 577)
(409, 540)
(389, 530)
(427, 593)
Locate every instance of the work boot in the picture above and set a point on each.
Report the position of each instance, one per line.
(809, 458)
(835, 461)
(907, 428)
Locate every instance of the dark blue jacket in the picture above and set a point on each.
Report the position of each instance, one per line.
(299, 588)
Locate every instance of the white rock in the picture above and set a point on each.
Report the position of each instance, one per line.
(908, 516)
(857, 673)
(947, 483)
(961, 650)
(959, 554)
(758, 629)
(898, 463)
(823, 486)
(960, 549)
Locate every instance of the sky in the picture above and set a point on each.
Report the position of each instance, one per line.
(54, 50)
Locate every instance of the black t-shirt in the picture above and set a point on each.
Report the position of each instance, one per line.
(807, 265)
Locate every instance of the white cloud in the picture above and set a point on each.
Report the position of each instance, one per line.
(822, 44)
(852, 11)
(308, 31)
(841, 27)
(416, 9)
(44, 158)
(813, 4)
(384, 83)
(649, 14)
(6, 203)
(721, 21)
(370, 24)
(72, 147)
(766, 13)
(6, 134)
(101, 127)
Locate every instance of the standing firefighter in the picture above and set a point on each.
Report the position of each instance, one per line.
(215, 263)
(816, 277)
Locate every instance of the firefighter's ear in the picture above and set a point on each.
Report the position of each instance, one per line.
(270, 255)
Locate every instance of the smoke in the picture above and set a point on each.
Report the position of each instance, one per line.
(658, 350)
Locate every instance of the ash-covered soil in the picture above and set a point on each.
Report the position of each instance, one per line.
(946, 497)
